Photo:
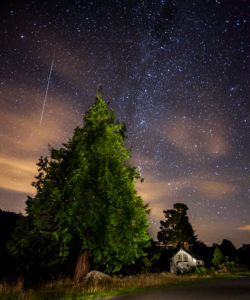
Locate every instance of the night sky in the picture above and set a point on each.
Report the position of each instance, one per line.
(176, 72)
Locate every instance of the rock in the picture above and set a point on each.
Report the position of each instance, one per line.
(164, 274)
(97, 275)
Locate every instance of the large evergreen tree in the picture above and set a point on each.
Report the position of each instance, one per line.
(85, 201)
(176, 229)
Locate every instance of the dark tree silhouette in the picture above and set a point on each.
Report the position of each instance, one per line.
(205, 252)
(176, 229)
(243, 254)
(7, 224)
(228, 249)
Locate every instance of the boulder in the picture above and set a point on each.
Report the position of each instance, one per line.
(97, 275)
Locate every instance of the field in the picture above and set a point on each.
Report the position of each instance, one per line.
(66, 289)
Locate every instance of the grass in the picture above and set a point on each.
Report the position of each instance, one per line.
(66, 289)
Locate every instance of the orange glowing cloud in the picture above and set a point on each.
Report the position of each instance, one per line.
(17, 174)
(25, 140)
(161, 194)
(151, 191)
(246, 227)
(156, 194)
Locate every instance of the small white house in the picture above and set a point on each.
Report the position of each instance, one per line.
(184, 260)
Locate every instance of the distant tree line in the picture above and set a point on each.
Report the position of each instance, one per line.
(156, 258)
(177, 232)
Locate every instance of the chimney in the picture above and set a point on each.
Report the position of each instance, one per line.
(186, 246)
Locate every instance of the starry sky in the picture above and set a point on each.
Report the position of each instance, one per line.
(176, 72)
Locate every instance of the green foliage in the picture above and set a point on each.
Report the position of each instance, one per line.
(151, 262)
(223, 263)
(193, 270)
(211, 270)
(85, 199)
(232, 267)
(218, 258)
(147, 262)
(176, 229)
(229, 265)
(200, 271)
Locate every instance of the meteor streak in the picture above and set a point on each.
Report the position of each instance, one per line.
(45, 97)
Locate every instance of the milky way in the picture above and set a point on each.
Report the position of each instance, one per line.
(176, 72)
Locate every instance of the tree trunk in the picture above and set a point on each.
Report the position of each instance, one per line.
(82, 266)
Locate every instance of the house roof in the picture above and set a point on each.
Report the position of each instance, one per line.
(194, 255)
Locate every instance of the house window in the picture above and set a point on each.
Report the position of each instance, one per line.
(185, 258)
(179, 257)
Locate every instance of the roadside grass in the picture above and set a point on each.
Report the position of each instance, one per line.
(66, 289)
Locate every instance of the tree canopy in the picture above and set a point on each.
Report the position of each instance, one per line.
(85, 200)
(176, 229)
(228, 249)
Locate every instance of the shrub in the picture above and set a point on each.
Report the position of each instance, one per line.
(200, 271)
(193, 270)
(211, 270)
(218, 258)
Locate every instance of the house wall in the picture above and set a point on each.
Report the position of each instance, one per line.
(183, 261)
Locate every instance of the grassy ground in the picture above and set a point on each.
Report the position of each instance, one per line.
(68, 290)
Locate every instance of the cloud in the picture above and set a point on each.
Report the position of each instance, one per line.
(245, 227)
(152, 190)
(17, 174)
(163, 194)
(195, 137)
(12, 200)
(155, 193)
(215, 189)
(23, 140)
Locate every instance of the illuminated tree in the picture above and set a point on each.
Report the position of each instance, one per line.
(86, 204)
